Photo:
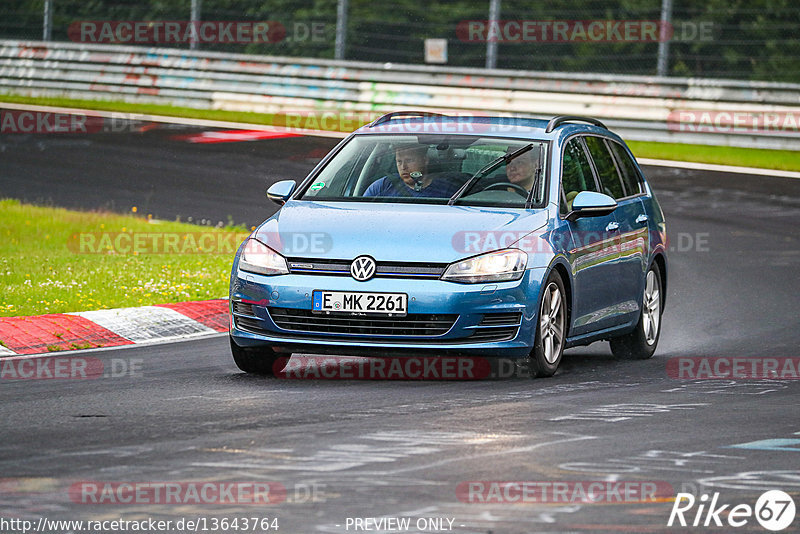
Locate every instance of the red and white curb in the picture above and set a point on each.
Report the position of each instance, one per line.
(108, 328)
(232, 136)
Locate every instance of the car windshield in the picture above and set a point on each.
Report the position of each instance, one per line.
(433, 169)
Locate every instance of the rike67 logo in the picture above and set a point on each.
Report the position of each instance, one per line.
(774, 510)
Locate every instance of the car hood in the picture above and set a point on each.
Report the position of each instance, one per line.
(394, 232)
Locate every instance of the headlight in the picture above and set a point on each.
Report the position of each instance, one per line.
(499, 266)
(259, 258)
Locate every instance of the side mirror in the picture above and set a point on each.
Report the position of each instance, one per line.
(591, 204)
(279, 192)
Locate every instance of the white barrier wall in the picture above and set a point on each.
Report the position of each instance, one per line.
(716, 112)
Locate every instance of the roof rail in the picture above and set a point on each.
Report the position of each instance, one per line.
(389, 116)
(561, 119)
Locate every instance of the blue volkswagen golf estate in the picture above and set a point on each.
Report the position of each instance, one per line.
(425, 234)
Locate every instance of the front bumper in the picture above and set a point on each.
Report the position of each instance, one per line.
(493, 319)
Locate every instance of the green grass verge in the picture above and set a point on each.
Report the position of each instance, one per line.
(54, 260)
(784, 160)
(787, 160)
(270, 119)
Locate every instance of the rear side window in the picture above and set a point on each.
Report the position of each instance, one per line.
(607, 171)
(576, 173)
(630, 175)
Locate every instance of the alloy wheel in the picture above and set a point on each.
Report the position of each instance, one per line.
(651, 312)
(551, 322)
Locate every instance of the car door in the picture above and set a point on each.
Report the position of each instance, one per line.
(595, 246)
(632, 233)
(634, 229)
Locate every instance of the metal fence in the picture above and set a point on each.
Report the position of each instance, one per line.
(754, 40)
(750, 114)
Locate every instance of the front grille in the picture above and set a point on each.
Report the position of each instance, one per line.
(499, 319)
(494, 327)
(383, 269)
(242, 308)
(497, 327)
(411, 325)
(249, 325)
(495, 334)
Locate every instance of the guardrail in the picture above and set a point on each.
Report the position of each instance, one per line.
(714, 112)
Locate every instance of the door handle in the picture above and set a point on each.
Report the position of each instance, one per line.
(613, 225)
(641, 218)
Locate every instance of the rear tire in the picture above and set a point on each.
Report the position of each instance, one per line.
(257, 361)
(551, 329)
(641, 343)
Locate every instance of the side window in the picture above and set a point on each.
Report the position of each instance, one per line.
(576, 173)
(607, 171)
(630, 175)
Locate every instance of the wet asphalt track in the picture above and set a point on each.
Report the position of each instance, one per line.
(394, 448)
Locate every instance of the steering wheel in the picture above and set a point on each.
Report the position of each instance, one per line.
(517, 189)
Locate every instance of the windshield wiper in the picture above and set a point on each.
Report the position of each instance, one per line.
(505, 158)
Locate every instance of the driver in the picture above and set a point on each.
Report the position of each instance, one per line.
(412, 178)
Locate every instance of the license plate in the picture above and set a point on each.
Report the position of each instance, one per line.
(354, 302)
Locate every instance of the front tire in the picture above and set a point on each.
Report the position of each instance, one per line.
(641, 343)
(257, 361)
(551, 329)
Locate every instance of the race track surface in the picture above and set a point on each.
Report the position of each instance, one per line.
(387, 448)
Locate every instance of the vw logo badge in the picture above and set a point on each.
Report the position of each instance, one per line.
(362, 268)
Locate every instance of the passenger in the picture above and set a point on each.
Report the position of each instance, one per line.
(412, 178)
(520, 174)
(521, 170)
